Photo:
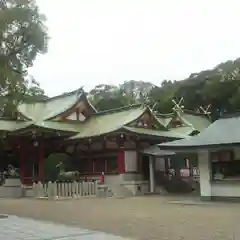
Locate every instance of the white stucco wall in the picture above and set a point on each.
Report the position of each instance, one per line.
(225, 189)
(73, 116)
(131, 161)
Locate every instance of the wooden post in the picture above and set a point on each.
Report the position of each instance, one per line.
(121, 162)
(152, 174)
(22, 169)
(40, 163)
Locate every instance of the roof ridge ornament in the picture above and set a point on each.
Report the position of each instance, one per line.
(153, 107)
(205, 110)
(177, 105)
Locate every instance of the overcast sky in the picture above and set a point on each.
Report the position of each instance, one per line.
(110, 41)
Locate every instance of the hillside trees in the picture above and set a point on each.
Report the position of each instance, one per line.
(218, 87)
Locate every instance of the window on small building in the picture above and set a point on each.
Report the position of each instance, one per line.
(225, 165)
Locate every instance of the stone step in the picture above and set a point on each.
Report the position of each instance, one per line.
(120, 191)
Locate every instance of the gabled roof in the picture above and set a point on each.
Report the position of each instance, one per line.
(119, 120)
(165, 118)
(47, 109)
(100, 123)
(196, 121)
(223, 132)
(109, 121)
(43, 113)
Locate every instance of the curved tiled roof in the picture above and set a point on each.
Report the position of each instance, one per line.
(109, 121)
(46, 109)
(196, 121)
(224, 131)
(41, 114)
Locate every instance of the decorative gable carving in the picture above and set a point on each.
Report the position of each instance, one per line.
(79, 112)
(144, 121)
(176, 122)
(76, 116)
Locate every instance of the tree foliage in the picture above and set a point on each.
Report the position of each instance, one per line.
(22, 36)
(218, 87)
(130, 92)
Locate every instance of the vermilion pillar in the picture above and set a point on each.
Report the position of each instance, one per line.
(121, 162)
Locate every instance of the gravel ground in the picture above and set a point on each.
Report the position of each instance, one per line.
(139, 218)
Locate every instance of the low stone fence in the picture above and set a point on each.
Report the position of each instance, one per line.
(61, 190)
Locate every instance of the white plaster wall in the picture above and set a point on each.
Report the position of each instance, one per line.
(113, 179)
(73, 116)
(116, 179)
(225, 189)
(131, 177)
(130, 158)
(236, 151)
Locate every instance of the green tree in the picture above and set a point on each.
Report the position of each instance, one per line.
(29, 93)
(22, 36)
(51, 171)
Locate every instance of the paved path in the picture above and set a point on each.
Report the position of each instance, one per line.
(16, 228)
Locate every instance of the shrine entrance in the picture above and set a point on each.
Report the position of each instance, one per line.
(32, 165)
(145, 167)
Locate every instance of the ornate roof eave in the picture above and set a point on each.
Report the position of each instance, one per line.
(133, 131)
(14, 127)
(160, 134)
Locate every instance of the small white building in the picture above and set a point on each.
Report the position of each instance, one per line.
(218, 148)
